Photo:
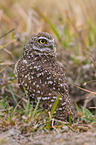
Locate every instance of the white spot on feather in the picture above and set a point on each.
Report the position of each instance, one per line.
(35, 66)
(44, 98)
(38, 98)
(50, 82)
(37, 86)
(33, 83)
(38, 74)
(52, 100)
(25, 85)
(60, 109)
(38, 92)
(25, 61)
(64, 104)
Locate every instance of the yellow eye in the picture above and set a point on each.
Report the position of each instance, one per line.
(42, 41)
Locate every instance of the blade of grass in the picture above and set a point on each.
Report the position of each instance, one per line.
(3, 102)
(27, 107)
(55, 105)
(92, 30)
(7, 33)
(87, 112)
(12, 94)
(7, 44)
(35, 110)
(25, 91)
(52, 27)
(78, 109)
(3, 68)
(70, 117)
(94, 93)
(48, 21)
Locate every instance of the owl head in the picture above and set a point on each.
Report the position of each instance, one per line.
(40, 44)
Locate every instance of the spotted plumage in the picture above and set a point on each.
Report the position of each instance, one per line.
(41, 76)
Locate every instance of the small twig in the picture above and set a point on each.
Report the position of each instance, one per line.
(92, 107)
(89, 54)
(7, 33)
(18, 106)
(61, 121)
(53, 125)
(89, 82)
(94, 93)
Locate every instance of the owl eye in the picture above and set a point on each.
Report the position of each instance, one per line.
(42, 41)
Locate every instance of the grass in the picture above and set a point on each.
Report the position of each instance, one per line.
(77, 40)
(86, 115)
(32, 119)
(27, 116)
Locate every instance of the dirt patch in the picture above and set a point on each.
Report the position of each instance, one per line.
(12, 137)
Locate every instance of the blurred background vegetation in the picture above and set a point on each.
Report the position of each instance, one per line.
(71, 22)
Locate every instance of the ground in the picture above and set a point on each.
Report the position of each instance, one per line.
(11, 137)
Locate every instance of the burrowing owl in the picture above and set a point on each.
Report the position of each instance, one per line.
(41, 76)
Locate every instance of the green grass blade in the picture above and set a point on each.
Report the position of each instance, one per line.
(27, 107)
(25, 91)
(3, 104)
(78, 109)
(52, 27)
(47, 21)
(35, 110)
(92, 30)
(87, 112)
(3, 101)
(3, 68)
(70, 118)
(55, 105)
(94, 121)
(12, 94)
